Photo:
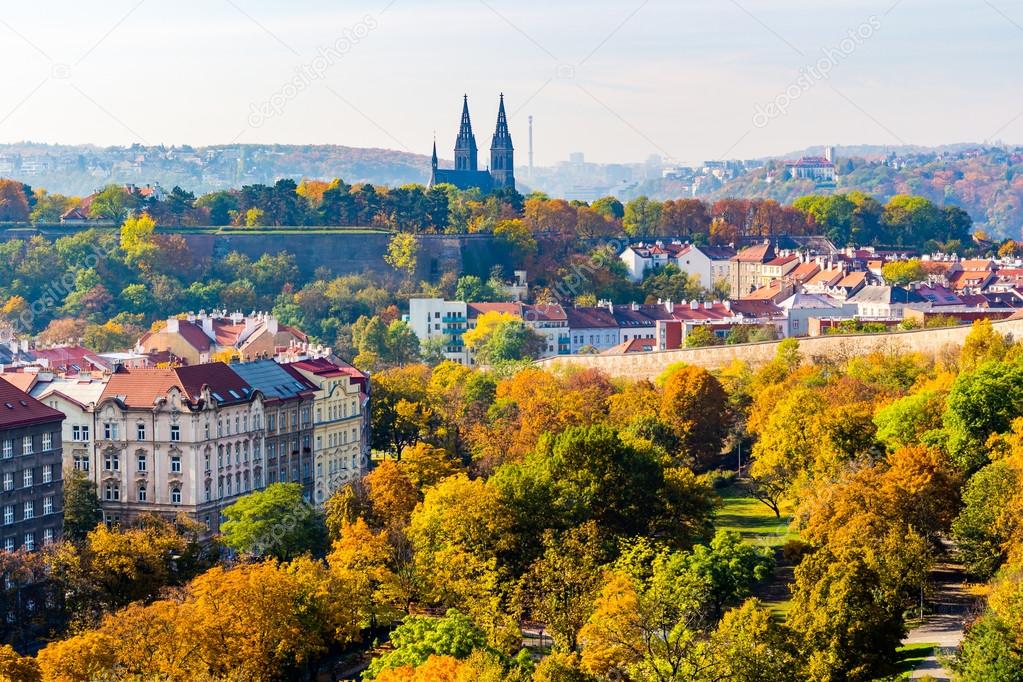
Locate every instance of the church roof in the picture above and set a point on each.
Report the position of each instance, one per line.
(482, 180)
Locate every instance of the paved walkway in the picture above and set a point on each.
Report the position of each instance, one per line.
(950, 606)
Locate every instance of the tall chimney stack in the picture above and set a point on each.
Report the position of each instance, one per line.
(530, 147)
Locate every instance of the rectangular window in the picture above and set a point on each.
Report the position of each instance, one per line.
(47, 473)
(47, 441)
(9, 544)
(29, 510)
(8, 448)
(206, 462)
(176, 464)
(26, 445)
(26, 478)
(141, 462)
(140, 432)
(8, 481)
(111, 462)
(30, 541)
(142, 492)
(48, 537)
(175, 433)
(48, 504)
(81, 463)
(8, 514)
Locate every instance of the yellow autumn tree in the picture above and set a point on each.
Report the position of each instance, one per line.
(88, 656)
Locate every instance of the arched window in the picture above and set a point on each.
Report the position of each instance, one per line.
(175, 495)
(112, 491)
(142, 492)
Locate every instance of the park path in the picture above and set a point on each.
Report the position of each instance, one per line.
(951, 605)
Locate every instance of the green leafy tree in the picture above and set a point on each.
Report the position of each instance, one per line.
(276, 521)
(902, 272)
(112, 203)
(559, 588)
(420, 637)
(472, 289)
(982, 403)
(702, 336)
(730, 566)
(82, 510)
(980, 533)
(403, 254)
(642, 216)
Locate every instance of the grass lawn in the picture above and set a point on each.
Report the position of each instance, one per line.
(911, 656)
(751, 518)
(759, 526)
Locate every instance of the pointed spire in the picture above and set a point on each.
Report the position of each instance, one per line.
(435, 151)
(465, 145)
(502, 137)
(466, 127)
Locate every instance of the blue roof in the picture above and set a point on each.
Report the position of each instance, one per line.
(270, 378)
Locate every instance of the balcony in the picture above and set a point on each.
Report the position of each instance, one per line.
(452, 318)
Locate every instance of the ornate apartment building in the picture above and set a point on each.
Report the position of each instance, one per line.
(341, 449)
(188, 439)
(288, 406)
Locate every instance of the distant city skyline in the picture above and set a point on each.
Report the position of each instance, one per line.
(684, 80)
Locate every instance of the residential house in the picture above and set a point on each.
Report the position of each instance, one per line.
(641, 258)
(76, 397)
(757, 266)
(712, 264)
(592, 328)
(799, 308)
(203, 338)
(883, 302)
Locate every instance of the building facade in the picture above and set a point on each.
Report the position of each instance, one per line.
(31, 498)
(288, 405)
(341, 443)
(169, 441)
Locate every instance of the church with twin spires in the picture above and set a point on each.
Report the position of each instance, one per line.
(466, 173)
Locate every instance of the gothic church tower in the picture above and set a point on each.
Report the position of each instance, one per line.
(502, 152)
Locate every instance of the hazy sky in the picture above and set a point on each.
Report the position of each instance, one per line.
(617, 80)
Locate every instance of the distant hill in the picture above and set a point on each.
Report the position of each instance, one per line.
(80, 169)
(987, 183)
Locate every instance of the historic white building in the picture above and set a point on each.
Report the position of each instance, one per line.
(188, 439)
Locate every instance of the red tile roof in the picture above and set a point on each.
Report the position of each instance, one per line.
(761, 253)
(325, 368)
(18, 408)
(140, 387)
(23, 381)
(70, 358)
(220, 378)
